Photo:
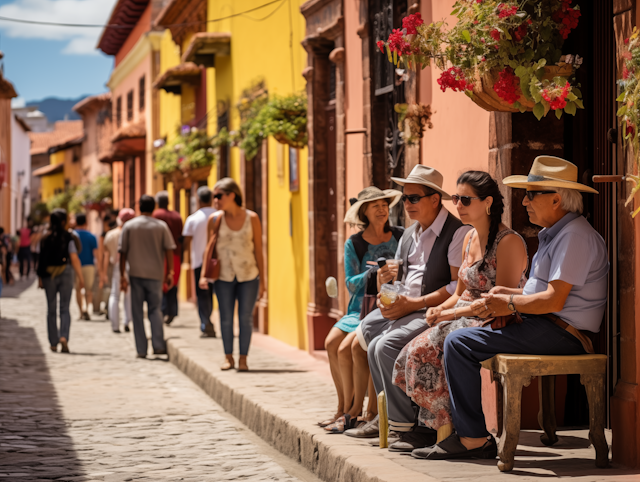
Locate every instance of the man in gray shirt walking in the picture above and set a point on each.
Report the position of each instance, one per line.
(145, 243)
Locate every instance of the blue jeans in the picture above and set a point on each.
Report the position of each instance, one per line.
(465, 349)
(205, 303)
(149, 290)
(247, 294)
(62, 284)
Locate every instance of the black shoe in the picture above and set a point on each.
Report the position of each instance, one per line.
(409, 441)
(208, 334)
(126, 328)
(159, 352)
(168, 320)
(452, 448)
(116, 331)
(141, 356)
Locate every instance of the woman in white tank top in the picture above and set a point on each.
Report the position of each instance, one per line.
(239, 250)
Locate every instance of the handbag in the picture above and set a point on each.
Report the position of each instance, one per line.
(211, 261)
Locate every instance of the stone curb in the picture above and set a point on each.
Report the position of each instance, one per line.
(331, 458)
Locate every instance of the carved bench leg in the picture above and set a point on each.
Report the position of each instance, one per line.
(512, 394)
(547, 413)
(383, 420)
(594, 386)
(499, 401)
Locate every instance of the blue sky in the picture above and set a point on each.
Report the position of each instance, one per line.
(43, 61)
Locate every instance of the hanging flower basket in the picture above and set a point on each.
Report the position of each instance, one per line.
(505, 55)
(486, 97)
(416, 117)
(299, 142)
(196, 173)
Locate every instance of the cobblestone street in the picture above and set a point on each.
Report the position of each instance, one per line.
(101, 414)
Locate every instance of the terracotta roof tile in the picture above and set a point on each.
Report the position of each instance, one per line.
(63, 132)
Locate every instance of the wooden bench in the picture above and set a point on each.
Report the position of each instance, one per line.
(513, 372)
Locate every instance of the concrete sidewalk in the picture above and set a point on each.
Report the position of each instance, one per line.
(287, 391)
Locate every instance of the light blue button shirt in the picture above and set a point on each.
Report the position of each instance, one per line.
(573, 252)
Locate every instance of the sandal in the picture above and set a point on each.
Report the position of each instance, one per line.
(328, 421)
(343, 423)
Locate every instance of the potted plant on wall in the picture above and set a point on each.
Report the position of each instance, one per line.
(416, 118)
(629, 111)
(189, 154)
(505, 55)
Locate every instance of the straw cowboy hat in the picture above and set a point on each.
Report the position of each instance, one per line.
(549, 171)
(425, 175)
(369, 194)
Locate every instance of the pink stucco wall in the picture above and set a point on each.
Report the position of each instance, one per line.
(353, 100)
(459, 140)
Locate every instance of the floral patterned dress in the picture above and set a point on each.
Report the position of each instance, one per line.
(418, 369)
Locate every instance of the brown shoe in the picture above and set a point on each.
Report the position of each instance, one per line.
(65, 346)
(242, 364)
(54, 349)
(228, 364)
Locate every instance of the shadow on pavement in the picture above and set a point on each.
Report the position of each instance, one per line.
(17, 288)
(34, 444)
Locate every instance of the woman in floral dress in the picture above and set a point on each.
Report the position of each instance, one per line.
(493, 255)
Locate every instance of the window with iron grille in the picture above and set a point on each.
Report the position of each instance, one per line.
(119, 111)
(130, 105)
(141, 97)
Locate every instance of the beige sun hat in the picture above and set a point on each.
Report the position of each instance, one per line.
(549, 171)
(369, 194)
(425, 175)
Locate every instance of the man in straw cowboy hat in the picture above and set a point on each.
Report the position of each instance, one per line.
(561, 304)
(430, 251)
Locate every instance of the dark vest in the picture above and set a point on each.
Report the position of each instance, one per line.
(437, 267)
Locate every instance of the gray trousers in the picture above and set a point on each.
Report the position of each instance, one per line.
(148, 290)
(385, 340)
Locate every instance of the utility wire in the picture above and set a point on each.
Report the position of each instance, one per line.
(115, 26)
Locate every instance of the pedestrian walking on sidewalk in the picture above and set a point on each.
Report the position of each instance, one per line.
(87, 255)
(5, 241)
(195, 241)
(145, 243)
(112, 258)
(174, 222)
(24, 252)
(58, 260)
(239, 250)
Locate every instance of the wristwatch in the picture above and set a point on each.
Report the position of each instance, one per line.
(511, 305)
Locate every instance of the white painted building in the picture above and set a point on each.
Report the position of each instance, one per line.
(20, 173)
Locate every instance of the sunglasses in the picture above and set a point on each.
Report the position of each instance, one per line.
(414, 198)
(532, 194)
(465, 200)
(218, 196)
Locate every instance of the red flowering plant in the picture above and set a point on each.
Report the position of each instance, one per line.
(515, 44)
(629, 112)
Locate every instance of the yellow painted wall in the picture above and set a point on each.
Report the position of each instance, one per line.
(170, 104)
(266, 50)
(50, 185)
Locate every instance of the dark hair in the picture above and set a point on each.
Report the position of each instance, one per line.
(365, 220)
(483, 186)
(227, 185)
(147, 204)
(162, 198)
(57, 219)
(81, 219)
(204, 195)
(1, 230)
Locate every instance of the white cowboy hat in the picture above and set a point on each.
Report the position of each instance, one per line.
(369, 194)
(549, 171)
(425, 175)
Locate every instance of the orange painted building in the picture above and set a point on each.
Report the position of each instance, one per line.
(355, 142)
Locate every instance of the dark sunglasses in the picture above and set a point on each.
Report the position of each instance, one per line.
(414, 198)
(532, 194)
(465, 200)
(218, 196)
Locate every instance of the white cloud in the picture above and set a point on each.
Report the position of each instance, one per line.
(81, 41)
(18, 102)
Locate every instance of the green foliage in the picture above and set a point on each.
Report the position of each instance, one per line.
(190, 150)
(629, 111)
(64, 200)
(491, 35)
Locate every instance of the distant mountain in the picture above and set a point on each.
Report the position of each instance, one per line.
(56, 109)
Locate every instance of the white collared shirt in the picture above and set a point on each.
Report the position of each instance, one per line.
(421, 250)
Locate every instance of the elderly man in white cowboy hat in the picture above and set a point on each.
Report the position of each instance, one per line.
(430, 251)
(561, 304)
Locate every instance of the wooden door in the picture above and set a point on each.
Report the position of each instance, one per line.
(332, 194)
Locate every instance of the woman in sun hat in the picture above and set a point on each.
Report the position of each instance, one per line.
(370, 212)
